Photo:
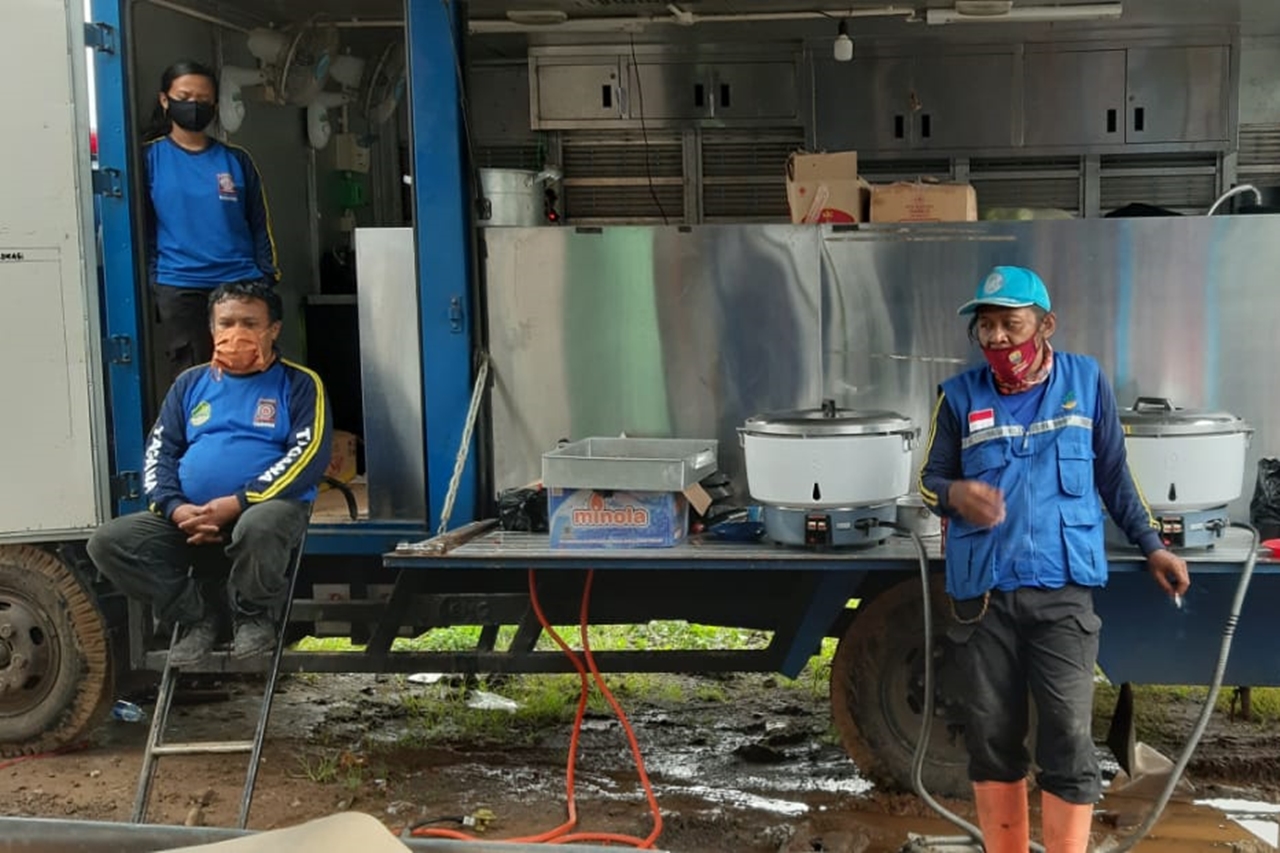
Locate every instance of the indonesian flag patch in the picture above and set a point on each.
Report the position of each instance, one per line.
(982, 419)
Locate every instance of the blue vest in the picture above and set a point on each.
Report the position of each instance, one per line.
(1053, 530)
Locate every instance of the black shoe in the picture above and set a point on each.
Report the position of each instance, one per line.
(255, 635)
(195, 645)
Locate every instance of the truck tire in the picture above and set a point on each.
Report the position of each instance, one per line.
(877, 691)
(55, 661)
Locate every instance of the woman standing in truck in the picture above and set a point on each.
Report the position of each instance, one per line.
(208, 222)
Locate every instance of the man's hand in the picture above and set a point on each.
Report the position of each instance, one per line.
(978, 503)
(1170, 571)
(184, 515)
(222, 512)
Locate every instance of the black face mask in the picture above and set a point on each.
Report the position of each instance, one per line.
(191, 115)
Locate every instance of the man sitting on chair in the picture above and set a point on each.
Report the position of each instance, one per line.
(232, 466)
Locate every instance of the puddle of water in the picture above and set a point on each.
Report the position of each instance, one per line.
(1261, 819)
(741, 800)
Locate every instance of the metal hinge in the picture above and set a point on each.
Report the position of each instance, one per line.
(106, 182)
(126, 486)
(100, 37)
(120, 349)
(456, 315)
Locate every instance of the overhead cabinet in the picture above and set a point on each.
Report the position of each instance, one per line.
(1134, 96)
(666, 90)
(916, 103)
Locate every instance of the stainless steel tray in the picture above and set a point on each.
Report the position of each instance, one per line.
(631, 464)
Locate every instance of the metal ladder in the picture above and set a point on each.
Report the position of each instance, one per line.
(156, 747)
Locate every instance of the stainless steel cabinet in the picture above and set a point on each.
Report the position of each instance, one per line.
(964, 101)
(1074, 98)
(764, 90)
(949, 102)
(724, 91)
(501, 92)
(1178, 94)
(863, 105)
(566, 91)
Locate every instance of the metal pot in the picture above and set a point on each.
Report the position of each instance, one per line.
(914, 516)
(1185, 459)
(828, 457)
(514, 196)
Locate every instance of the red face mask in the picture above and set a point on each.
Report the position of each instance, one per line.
(240, 351)
(1011, 365)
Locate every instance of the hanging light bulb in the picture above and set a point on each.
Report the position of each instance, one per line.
(843, 48)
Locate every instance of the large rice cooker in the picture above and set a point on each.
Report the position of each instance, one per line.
(828, 476)
(1189, 465)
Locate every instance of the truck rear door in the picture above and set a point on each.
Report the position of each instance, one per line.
(53, 450)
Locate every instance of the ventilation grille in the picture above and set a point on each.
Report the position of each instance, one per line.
(621, 155)
(509, 157)
(1039, 193)
(884, 171)
(1024, 164)
(1259, 146)
(745, 202)
(764, 156)
(586, 204)
(1186, 162)
(1179, 192)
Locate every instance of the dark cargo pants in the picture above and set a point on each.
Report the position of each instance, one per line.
(1044, 643)
(147, 558)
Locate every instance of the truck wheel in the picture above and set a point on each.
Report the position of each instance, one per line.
(55, 663)
(877, 693)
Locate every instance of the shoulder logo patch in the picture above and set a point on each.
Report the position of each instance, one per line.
(1069, 401)
(201, 413)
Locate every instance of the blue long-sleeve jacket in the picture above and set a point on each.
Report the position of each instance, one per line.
(261, 436)
(996, 447)
(208, 221)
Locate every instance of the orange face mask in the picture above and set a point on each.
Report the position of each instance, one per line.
(239, 351)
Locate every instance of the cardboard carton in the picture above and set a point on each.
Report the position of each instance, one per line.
(923, 202)
(826, 188)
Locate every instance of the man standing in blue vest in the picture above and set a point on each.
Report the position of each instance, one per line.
(1024, 454)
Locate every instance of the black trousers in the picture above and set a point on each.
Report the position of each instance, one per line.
(182, 326)
(1040, 643)
(147, 558)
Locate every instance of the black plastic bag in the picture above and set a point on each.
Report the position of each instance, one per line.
(1264, 509)
(523, 510)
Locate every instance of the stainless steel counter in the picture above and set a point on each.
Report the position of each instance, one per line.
(527, 550)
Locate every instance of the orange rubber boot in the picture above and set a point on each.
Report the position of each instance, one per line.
(1002, 816)
(1066, 825)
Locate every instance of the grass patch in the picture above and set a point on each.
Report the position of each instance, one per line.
(332, 766)
(1163, 714)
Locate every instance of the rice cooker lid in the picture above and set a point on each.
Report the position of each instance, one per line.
(1157, 416)
(829, 420)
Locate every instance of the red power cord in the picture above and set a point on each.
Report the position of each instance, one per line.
(564, 834)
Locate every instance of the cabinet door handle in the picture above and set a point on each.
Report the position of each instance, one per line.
(699, 95)
(899, 127)
(1139, 119)
(1111, 121)
(926, 126)
(606, 96)
(724, 94)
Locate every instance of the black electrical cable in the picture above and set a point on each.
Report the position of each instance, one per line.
(644, 133)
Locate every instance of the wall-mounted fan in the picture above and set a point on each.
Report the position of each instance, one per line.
(386, 85)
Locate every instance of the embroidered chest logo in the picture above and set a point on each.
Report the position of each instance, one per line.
(982, 419)
(227, 187)
(201, 413)
(265, 413)
(1069, 401)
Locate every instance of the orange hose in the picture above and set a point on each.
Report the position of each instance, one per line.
(563, 834)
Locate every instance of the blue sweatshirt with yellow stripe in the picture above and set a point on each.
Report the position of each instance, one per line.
(259, 436)
(208, 221)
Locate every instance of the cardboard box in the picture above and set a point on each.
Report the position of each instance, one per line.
(826, 188)
(585, 518)
(923, 202)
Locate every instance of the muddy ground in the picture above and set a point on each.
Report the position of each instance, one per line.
(739, 763)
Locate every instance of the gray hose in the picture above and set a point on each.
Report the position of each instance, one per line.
(1224, 652)
(1111, 845)
(926, 728)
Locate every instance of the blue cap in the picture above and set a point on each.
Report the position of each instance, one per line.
(1009, 287)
